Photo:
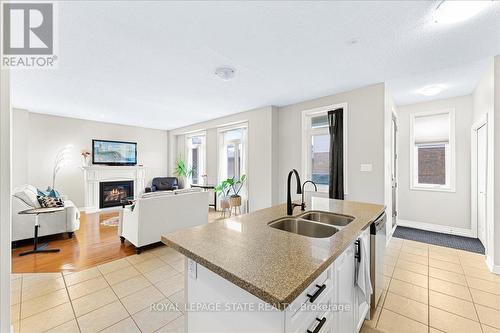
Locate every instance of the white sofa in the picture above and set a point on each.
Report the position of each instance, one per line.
(157, 213)
(23, 226)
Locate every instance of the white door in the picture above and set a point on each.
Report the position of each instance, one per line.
(482, 159)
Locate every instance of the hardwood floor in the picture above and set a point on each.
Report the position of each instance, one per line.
(91, 245)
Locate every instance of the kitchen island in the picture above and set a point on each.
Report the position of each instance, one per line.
(244, 276)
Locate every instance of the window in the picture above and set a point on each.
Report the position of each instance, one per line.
(196, 156)
(233, 156)
(232, 163)
(320, 158)
(316, 146)
(233, 150)
(432, 146)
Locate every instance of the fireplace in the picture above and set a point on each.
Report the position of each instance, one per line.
(111, 193)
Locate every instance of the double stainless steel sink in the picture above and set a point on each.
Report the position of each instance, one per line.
(313, 224)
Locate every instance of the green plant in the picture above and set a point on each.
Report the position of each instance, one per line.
(229, 184)
(222, 187)
(181, 169)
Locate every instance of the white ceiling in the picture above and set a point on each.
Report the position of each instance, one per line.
(152, 64)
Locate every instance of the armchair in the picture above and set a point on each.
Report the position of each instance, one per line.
(164, 184)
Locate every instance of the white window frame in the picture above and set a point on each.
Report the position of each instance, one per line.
(202, 159)
(308, 132)
(450, 161)
(230, 127)
(245, 148)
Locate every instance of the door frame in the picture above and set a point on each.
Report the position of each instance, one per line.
(483, 121)
(395, 162)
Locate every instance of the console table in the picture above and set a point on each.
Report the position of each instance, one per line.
(206, 188)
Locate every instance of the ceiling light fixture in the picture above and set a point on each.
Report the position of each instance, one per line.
(455, 11)
(225, 73)
(431, 90)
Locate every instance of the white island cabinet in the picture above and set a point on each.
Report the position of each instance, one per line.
(328, 305)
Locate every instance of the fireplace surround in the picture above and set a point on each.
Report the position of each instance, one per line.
(95, 174)
(111, 193)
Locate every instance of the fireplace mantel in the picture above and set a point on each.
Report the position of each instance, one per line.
(93, 175)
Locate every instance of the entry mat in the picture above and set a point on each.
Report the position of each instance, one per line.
(436, 238)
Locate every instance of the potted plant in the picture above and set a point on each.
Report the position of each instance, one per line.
(223, 189)
(236, 185)
(183, 172)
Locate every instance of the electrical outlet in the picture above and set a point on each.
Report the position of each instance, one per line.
(192, 267)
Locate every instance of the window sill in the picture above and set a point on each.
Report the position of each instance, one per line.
(433, 189)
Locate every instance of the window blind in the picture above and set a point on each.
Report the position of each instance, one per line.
(432, 128)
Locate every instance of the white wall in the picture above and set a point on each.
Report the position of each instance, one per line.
(261, 151)
(450, 209)
(366, 117)
(483, 105)
(5, 200)
(38, 138)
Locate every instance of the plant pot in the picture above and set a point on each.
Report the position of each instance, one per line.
(183, 183)
(225, 202)
(235, 201)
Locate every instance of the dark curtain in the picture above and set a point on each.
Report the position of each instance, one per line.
(336, 127)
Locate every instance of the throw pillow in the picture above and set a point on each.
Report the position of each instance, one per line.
(42, 193)
(50, 202)
(27, 194)
(54, 194)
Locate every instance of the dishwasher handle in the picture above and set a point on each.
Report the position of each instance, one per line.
(378, 224)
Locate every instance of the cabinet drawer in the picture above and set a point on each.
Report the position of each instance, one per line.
(315, 289)
(300, 321)
(320, 323)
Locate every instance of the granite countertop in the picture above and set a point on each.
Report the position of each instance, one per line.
(274, 265)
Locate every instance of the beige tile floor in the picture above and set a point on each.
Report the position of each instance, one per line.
(428, 289)
(436, 289)
(114, 297)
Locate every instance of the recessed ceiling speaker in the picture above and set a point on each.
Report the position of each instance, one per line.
(225, 73)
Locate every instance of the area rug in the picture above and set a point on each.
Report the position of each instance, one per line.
(113, 221)
(436, 238)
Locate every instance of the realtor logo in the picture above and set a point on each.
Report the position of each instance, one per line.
(28, 35)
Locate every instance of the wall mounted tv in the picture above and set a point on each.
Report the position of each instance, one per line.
(114, 152)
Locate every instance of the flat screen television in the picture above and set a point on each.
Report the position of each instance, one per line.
(114, 152)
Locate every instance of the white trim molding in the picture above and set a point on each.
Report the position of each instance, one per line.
(450, 185)
(491, 266)
(483, 121)
(444, 229)
(307, 132)
(93, 175)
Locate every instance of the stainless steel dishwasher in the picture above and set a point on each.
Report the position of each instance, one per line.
(377, 253)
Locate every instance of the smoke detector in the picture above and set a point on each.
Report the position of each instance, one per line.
(225, 73)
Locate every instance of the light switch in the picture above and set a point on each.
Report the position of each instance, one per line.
(191, 267)
(366, 168)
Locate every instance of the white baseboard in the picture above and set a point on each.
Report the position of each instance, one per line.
(444, 229)
(492, 267)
